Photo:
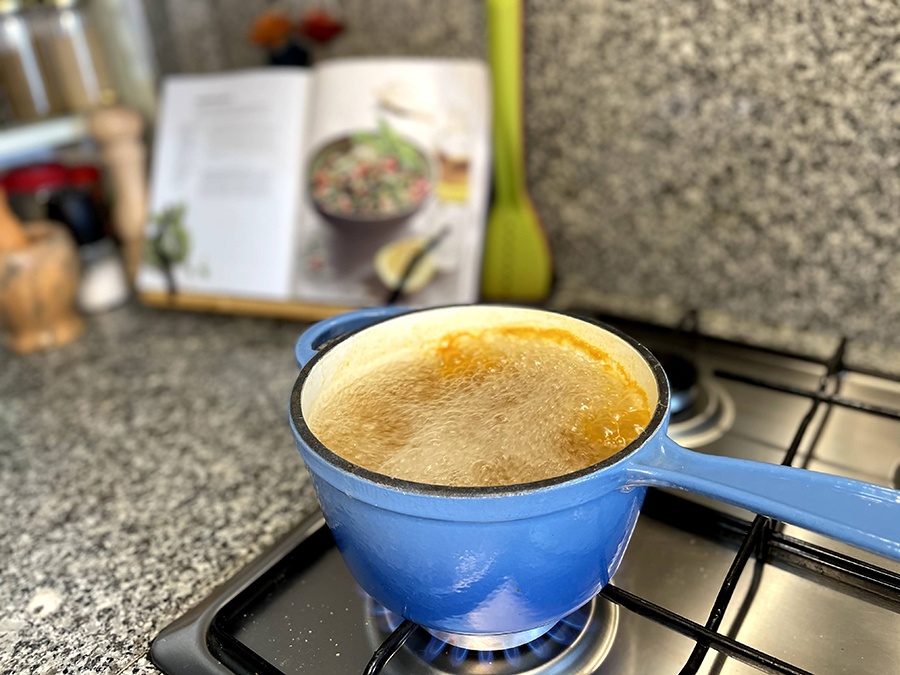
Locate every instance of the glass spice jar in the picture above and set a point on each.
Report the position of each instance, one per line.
(28, 84)
(68, 39)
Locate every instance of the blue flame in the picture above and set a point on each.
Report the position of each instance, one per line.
(434, 647)
(577, 620)
(513, 655)
(386, 616)
(540, 647)
(458, 655)
(561, 633)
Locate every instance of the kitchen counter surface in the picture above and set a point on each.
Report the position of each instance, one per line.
(147, 463)
(139, 468)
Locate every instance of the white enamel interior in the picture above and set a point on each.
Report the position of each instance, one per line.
(400, 337)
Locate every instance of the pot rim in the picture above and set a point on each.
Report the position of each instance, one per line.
(298, 422)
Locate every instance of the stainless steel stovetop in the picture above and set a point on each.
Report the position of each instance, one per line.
(765, 596)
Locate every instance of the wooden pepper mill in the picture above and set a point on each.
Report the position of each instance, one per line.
(39, 273)
(119, 132)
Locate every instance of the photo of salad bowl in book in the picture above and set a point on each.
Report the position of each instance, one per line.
(370, 179)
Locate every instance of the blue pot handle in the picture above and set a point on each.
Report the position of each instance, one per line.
(862, 514)
(319, 333)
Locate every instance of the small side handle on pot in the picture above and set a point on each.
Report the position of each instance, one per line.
(861, 514)
(319, 333)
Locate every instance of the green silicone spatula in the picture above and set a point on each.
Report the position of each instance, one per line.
(517, 263)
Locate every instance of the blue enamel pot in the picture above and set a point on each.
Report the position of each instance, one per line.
(508, 562)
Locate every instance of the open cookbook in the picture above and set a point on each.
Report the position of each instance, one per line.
(302, 192)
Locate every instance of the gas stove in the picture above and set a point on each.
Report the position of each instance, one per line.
(704, 587)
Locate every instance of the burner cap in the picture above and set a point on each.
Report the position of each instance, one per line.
(491, 643)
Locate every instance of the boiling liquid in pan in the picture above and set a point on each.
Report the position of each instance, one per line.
(501, 406)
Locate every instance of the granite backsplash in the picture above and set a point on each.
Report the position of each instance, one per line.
(740, 157)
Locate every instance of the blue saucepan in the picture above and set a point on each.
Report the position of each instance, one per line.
(510, 561)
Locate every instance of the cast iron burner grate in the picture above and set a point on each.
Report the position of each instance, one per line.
(223, 631)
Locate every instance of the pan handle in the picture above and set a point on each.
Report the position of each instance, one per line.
(314, 337)
(861, 514)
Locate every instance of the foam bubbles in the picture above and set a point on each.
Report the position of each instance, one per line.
(503, 406)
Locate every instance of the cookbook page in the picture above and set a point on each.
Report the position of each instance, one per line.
(397, 164)
(224, 185)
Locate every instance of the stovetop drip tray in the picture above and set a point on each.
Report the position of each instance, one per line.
(296, 601)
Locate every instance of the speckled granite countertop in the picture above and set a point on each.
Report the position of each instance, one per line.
(147, 463)
(139, 469)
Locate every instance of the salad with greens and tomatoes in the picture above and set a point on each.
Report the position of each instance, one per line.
(370, 175)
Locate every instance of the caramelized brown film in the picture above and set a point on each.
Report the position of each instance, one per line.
(502, 406)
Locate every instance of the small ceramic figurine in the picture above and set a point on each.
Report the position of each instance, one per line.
(39, 272)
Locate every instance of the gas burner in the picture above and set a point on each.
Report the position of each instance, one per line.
(684, 382)
(702, 411)
(578, 643)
